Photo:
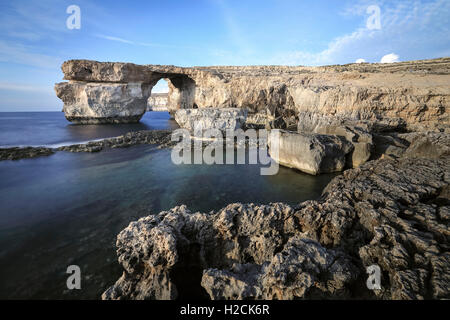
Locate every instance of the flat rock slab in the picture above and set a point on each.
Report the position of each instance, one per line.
(309, 153)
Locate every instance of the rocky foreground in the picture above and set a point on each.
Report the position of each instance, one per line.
(391, 213)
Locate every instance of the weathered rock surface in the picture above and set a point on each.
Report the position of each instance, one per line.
(198, 120)
(310, 153)
(115, 72)
(393, 213)
(413, 94)
(360, 139)
(93, 103)
(429, 145)
(303, 268)
(16, 153)
(162, 138)
(390, 213)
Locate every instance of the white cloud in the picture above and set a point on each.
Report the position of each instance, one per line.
(390, 58)
(22, 54)
(360, 60)
(414, 30)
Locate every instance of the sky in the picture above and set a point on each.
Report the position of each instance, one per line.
(35, 37)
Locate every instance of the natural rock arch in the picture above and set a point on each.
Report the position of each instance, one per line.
(412, 95)
(118, 92)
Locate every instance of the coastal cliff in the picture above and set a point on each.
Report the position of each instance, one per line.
(409, 95)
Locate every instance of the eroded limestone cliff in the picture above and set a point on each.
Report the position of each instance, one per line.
(408, 94)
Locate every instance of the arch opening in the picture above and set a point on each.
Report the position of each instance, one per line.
(172, 92)
(159, 96)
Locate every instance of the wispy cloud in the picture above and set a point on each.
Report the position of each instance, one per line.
(21, 54)
(114, 39)
(139, 43)
(410, 28)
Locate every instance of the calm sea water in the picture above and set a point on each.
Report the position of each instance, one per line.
(68, 208)
(52, 129)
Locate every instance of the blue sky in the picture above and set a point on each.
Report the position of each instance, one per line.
(35, 40)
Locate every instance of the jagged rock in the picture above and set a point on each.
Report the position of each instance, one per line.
(361, 140)
(16, 153)
(160, 137)
(198, 120)
(431, 145)
(158, 250)
(310, 153)
(387, 213)
(392, 213)
(427, 145)
(303, 268)
(93, 103)
(388, 146)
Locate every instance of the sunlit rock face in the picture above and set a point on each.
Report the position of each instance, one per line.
(309, 153)
(414, 95)
(92, 102)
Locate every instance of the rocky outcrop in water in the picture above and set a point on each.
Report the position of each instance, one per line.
(161, 138)
(16, 153)
(414, 95)
(198, 120)
(94, 103)
(390, 213)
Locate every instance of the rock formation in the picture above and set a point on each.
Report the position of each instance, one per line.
(310, 153)
(161, 138)
(410, 95)
(16, 153)
(390, 213)
(211, 118)
(92, 103)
